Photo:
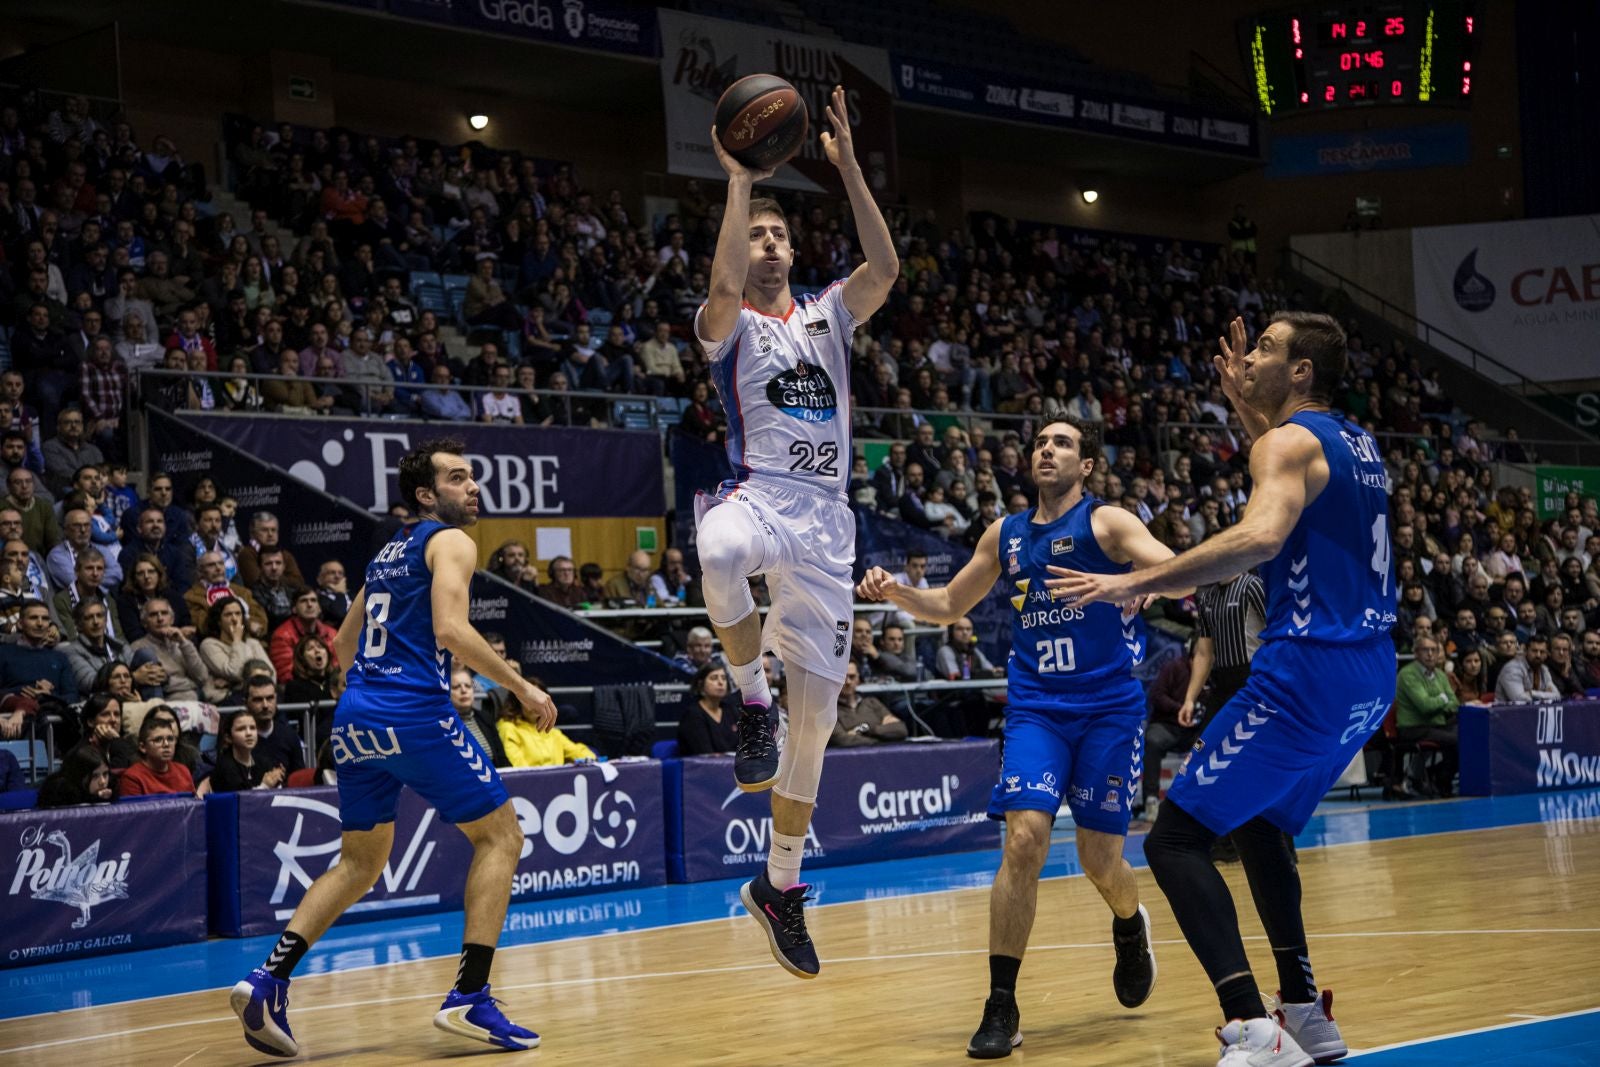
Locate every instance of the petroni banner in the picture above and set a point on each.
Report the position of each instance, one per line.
(90, 880)
(1526, 293)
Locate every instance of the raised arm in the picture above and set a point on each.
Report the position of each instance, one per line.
(869, 284)
(1281, 466)
(950, 602)
(1230, 368)
(730, 264)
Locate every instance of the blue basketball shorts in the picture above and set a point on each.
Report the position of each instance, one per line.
(1088, 752)
(382, 741)
(1278, 746)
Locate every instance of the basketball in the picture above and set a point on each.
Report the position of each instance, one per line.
(761, 121)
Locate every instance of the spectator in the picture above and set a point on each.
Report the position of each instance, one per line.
(103, 385)
(207, 537)
(1562, 669)
(863, 720)
(1425, 710)
(39, 528)
(185, 671)
(277, 741)
(672, 584)
(175, 557)
(1470, 679)
(659, 359)
(146, 580)
(463, 695)
(315, 678)
(32, 666)
(92, 648)
(273, 592)
(157, 770)
(698, 650)
(227, 649)
(486, 303)
(445, 403)
(633, 584)
(264, 534)
(238, 766)
(212, 585)
(307, 619)
(29, 566)
(1589, 660)
(498, 404)
(84, 778)
(960, 657)
(1172, 727)
(294, 396)
(528, 746)
(88, 587)
(1526, 678)
(100, 727)
(706, 728)
(563, 588)
(333, 592)
(61, 563)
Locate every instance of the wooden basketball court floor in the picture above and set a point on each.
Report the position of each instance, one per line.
(1474, 918)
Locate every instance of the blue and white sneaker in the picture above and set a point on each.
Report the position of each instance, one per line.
(478, 1016)
(262, 1004)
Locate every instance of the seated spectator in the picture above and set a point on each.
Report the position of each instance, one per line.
(227, 649)
(698, 650)
(87, 586)
(69, 450)
(291, 394)
(277, 740)
(1562, 669)
(563, 587)
(1589, 660)
(1425, 710)
(307, 619)
(91, 648)
(486, 303)
(273, 592)
(150, 539)
(238, 766)
(84, 778)
(863, 720)
(659, 359)
(498, 404)
(212, 585)
(14, 590)
(708, 726)
(29, 566)
(1470, 679)
(147, 580)
(1526, 678)
(334, 592)
(315, 679)
(672, 583)
(32, 667)
(100, 725)
(61, 561)
(39, 527)
(264, 534)
(444, 403)
(528, 746)
(1172, 726)
(207, 537)
(185, 671)
(157, 770)
(464, 699)
(510, 561)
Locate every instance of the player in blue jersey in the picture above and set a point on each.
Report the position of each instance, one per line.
(1074, 715)
(1318, 526)
(395, 726)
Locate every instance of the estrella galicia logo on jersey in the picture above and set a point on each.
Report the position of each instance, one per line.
(805, 393)
(1060, 546)
(841, 634)
(818, 328)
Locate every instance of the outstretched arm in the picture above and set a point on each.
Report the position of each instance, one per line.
(868, 286)
(1280, 466)
(1127, 540)
(950, 602)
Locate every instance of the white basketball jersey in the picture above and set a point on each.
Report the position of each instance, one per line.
(784, 381)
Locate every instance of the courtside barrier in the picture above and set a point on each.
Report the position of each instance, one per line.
(1529, 748)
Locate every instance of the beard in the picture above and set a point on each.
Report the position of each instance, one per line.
(453, 513)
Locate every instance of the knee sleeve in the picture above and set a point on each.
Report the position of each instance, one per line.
(731, 548)
(813, 709)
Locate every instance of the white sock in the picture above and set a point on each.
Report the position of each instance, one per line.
(783, 860)
(751, 681)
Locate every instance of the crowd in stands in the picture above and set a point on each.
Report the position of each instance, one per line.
(113, 260)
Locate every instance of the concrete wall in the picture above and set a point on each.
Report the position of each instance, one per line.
(1379, 260)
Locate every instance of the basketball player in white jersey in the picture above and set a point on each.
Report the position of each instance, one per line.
(782, 369)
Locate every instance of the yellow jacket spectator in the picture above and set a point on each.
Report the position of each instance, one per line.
(528, 746)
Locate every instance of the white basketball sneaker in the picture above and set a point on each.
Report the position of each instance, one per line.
(1259, 1043)
(1312, 1026)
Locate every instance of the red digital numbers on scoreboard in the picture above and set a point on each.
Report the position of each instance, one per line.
(1356, 91)
(1396, 89)
(1394, 27)
(1338, 29)
(1329, 93)
(1357, 60)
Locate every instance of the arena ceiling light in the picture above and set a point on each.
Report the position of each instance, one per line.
(1088, 191)
(477, 122)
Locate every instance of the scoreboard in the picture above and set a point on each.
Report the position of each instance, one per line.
(1361, 55)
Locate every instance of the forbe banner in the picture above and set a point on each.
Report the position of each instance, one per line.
(1526, 293)
(700, 57)
(585, 830)
(900, 800)
(102, 878)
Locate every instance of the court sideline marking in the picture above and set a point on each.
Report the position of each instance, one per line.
(1470, 1033)
(765, 965)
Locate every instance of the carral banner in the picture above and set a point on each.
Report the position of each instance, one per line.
(585, 829)
(899, 800)
(1020, 99)
(1529, 748)
(1525, 293)
(700, 57)
(103, 878)
(610, 27)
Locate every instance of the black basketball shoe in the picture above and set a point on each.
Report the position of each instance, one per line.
(782, 918)
(755, 761)
(1134, 977)
(1001, 1029)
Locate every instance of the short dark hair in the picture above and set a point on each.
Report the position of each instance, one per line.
(259, 681)
(765, 205)
(416, 469)
(1088, 439)
(1538, 639)
(1320, 339)
(916, 553)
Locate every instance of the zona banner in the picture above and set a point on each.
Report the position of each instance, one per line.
(1526, 293)
(700, 57)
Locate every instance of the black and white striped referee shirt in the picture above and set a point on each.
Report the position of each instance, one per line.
(1232, 614)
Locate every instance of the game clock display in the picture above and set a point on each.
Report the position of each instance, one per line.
(1358, 55)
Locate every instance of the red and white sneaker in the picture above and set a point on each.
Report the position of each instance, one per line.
(1312, 1026)
(1259, 1043)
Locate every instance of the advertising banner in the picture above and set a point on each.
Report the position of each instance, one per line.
(586, 829)
(1526, 293)
(102, 878)
(1529, 748)
(1006, 96)
(608, 27)
(899, 800)
(1552, 484)
(700, 57)
(1297, 155)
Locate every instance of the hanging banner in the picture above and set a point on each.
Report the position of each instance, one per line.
(1525, 293)
(897, 799)
(608, 27)
(102, 878)
(585, 830)
(1296, 155)
(700, 57)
